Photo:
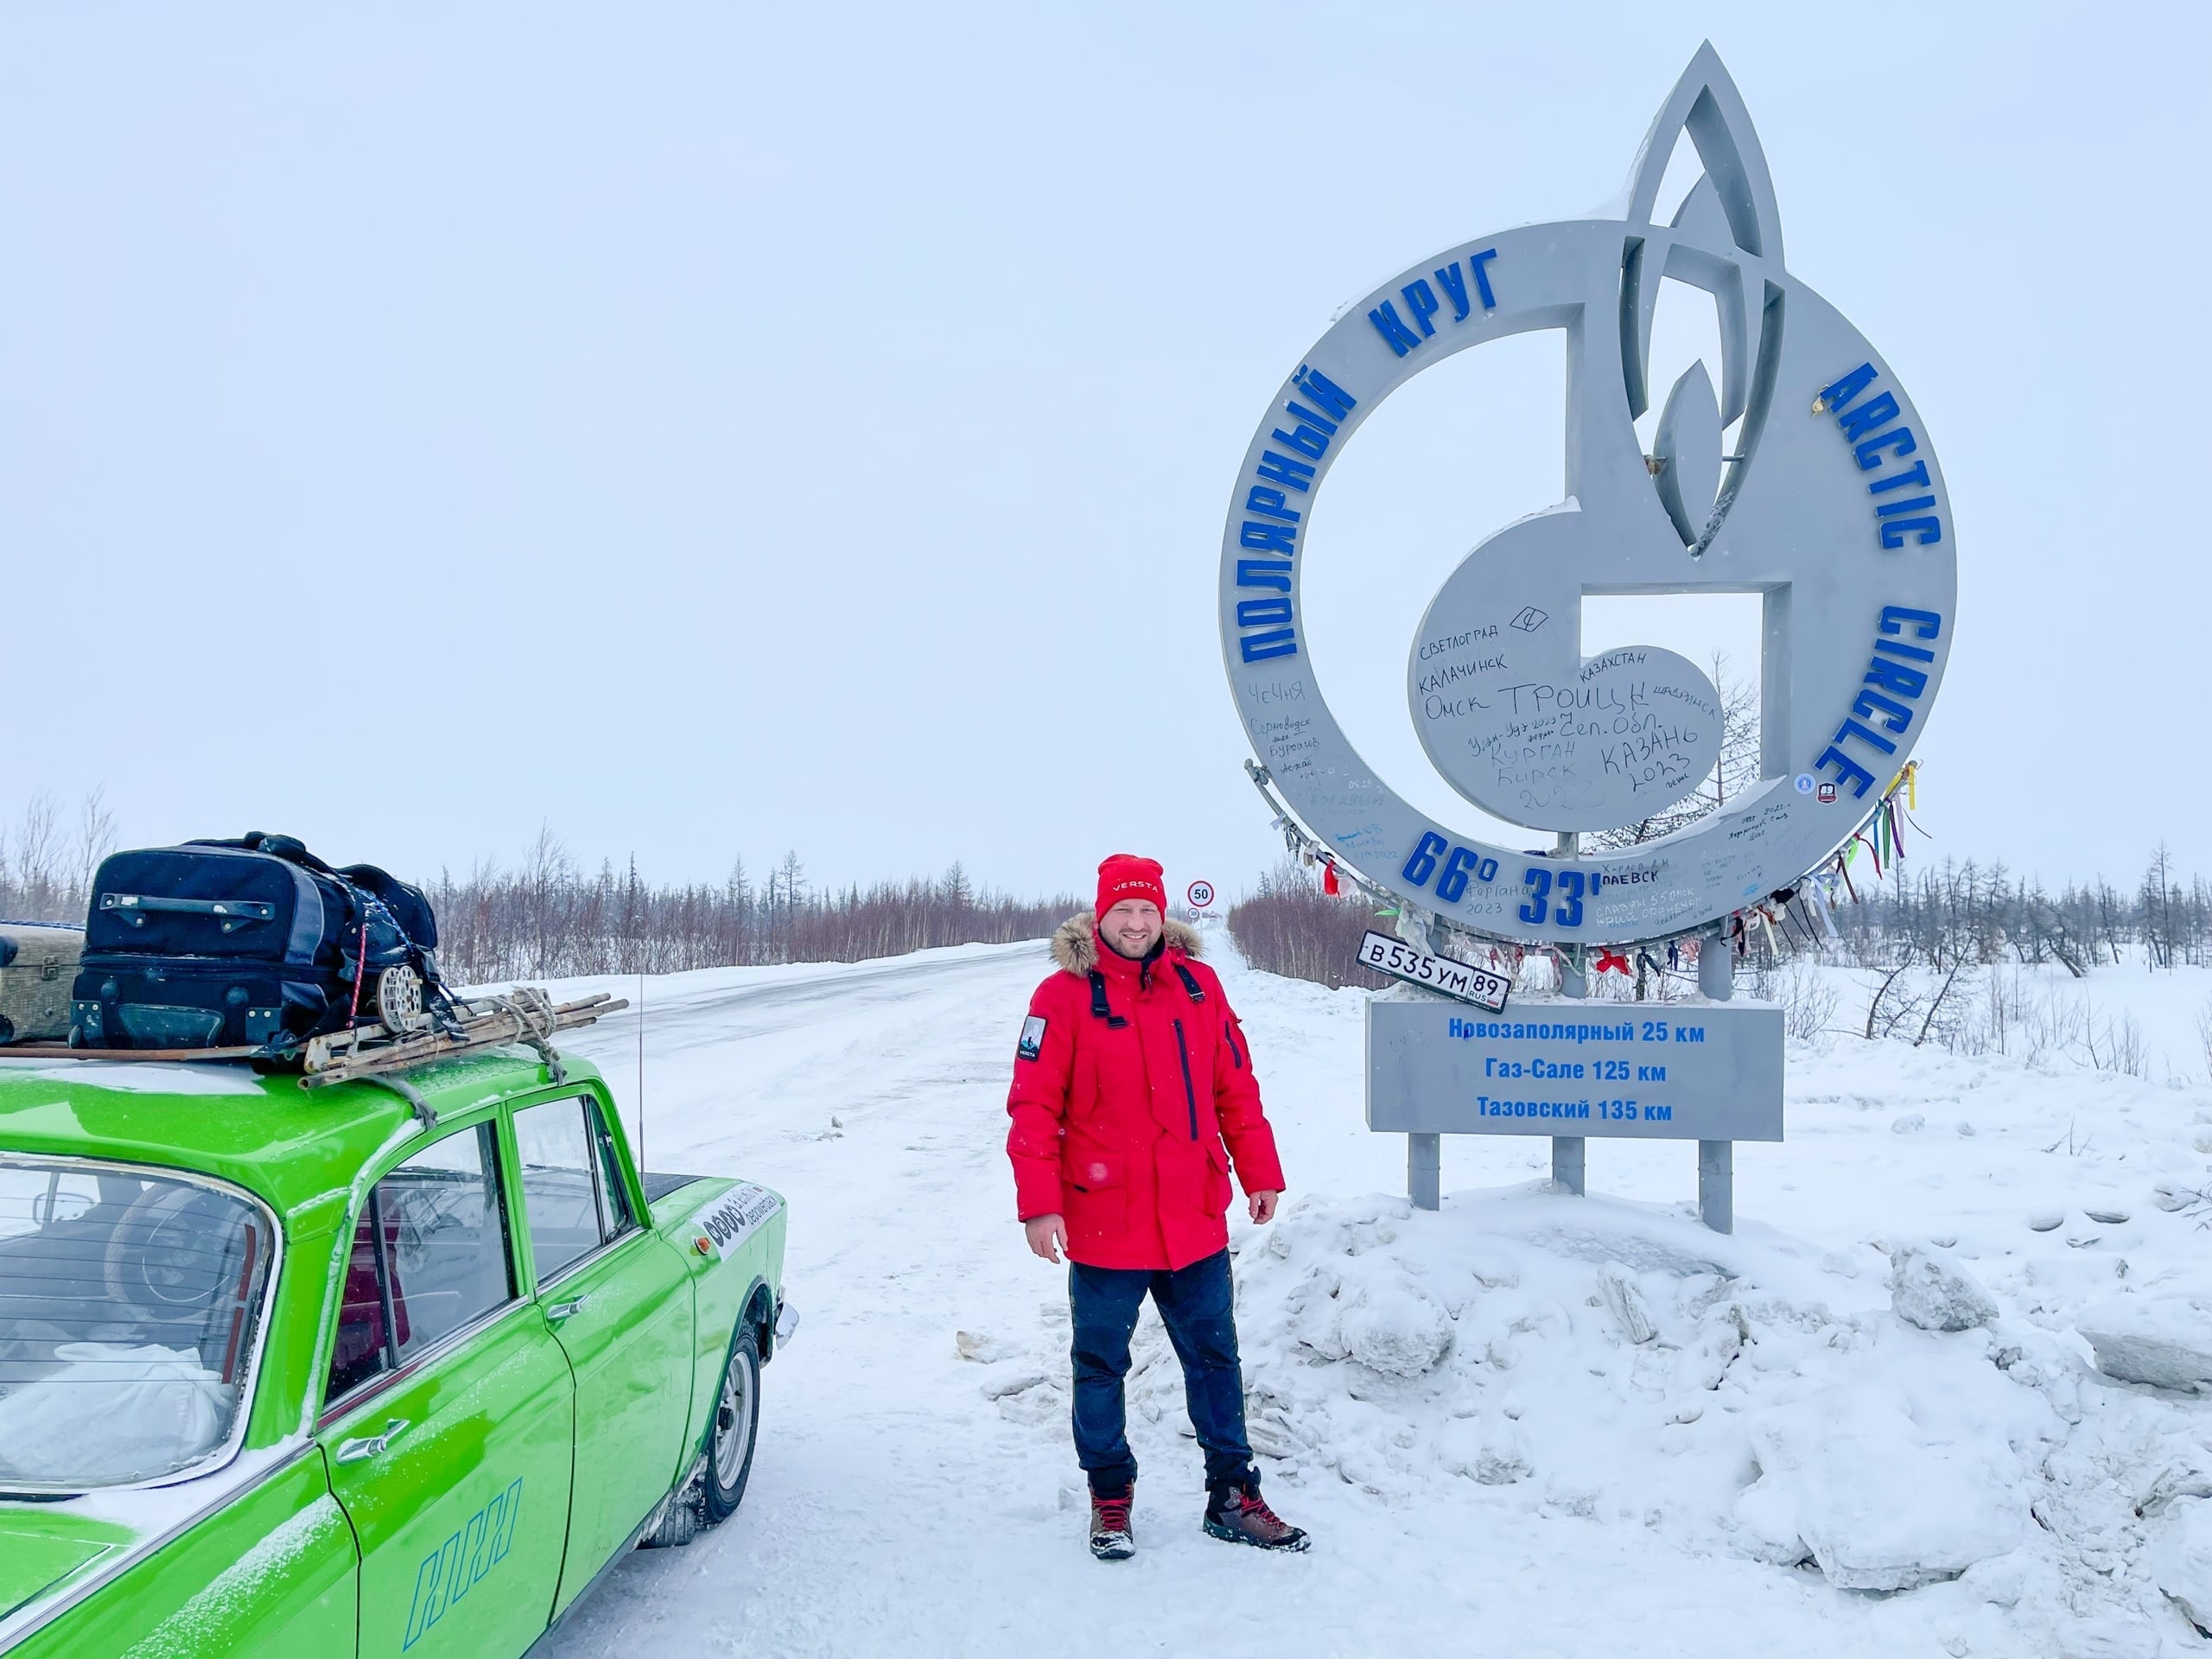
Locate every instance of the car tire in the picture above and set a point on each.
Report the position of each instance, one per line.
(736, 1426)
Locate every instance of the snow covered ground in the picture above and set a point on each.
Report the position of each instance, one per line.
(1531, 1424)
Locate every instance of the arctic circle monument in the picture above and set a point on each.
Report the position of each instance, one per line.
(1827, 504)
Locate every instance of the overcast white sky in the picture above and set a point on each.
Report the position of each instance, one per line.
(725, 429)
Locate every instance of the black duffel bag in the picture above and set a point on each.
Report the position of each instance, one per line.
(250, 942)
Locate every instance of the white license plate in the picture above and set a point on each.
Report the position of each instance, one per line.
(1463, 980)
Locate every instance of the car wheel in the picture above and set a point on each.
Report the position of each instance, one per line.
(737, 1423)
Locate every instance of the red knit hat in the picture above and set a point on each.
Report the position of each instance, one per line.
(1125, 875)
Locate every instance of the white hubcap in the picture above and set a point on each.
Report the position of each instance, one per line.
(733, 1419)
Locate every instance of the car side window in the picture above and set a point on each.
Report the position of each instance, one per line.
(614, 1213)
(431, 1255)
(572, 1190)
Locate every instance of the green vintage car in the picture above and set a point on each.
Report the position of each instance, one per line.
(391, 1367)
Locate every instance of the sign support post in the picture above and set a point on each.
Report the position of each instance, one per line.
(1570, 1160)
(1716, 1159)
(1425, 1171)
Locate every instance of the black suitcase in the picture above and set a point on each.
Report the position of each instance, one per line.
(252, 942)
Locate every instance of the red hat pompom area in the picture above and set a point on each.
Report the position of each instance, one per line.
(1124, 875)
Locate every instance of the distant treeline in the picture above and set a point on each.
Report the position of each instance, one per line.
(1965, 912)
(1289, 926)
(548, 918)
(1941, 914)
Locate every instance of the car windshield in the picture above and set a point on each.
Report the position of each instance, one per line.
(129, 1304)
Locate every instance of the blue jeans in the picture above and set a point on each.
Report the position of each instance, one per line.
(1195, 1305)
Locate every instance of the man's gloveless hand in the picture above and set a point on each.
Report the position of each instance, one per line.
(1048, 1236)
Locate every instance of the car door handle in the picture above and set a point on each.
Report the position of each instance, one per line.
(371, 1445)
(568, 1310)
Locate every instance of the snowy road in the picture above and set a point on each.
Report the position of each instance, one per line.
(906, 1500)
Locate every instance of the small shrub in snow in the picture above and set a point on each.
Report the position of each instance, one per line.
(1808, 1001)
(1292, 928)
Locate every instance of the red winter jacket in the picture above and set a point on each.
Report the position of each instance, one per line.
(1129, 1077)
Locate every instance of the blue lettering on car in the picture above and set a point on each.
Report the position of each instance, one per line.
(454, 1567)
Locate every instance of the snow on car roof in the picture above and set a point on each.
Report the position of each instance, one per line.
(294, 1147)
(141, 1076)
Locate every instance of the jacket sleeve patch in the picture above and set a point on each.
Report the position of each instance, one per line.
(1033, 1038)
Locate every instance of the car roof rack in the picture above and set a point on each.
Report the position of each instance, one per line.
(525, 1015)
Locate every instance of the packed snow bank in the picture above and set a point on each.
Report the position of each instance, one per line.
(2181, 1560)
(2164, 1340)
(1618, 1361)
(1881, 1497)
(1753, 1397)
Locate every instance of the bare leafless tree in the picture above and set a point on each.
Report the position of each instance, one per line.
(43, 877)
(1737, 769)
(95, 837)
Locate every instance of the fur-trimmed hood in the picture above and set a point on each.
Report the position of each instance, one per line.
(1074, 942)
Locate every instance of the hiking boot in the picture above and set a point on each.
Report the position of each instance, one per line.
(1238, 1514)
(1110, 1537)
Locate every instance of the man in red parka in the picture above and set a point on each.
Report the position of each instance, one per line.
(1131, 1072)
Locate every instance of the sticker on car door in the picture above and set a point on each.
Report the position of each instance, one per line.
(736, 1216)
